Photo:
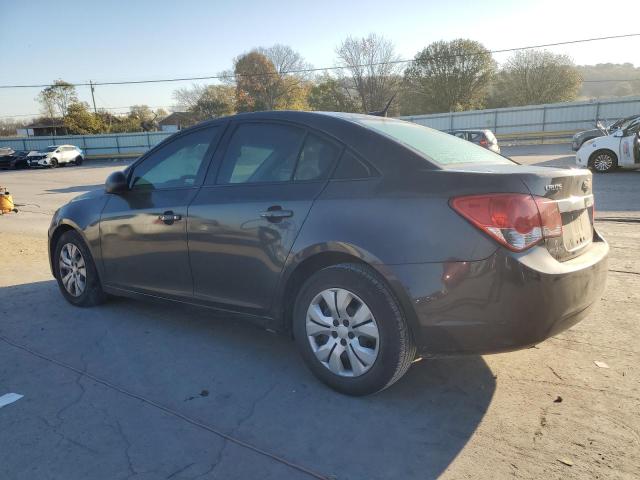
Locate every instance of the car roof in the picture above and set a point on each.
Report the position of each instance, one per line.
(56, 146)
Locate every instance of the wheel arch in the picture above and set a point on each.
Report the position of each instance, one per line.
(61, 229)
(307, 264)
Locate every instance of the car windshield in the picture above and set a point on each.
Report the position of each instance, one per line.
(439, 147)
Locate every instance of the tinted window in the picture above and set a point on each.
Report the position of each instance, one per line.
(351, 166)
(178, 164)
(439, 147)
(316, 159)
(261, 153)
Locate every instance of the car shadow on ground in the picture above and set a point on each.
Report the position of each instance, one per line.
(248, 383)
(76, 189)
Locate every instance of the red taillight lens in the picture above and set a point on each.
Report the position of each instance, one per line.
(516, 220)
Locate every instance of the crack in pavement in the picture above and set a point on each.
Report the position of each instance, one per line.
(252, 411)
(168, 410)
(132, 471)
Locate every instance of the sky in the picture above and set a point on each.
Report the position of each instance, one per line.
(78, 41)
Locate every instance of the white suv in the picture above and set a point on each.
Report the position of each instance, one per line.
(56, 155)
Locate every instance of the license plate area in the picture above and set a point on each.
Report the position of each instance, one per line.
(577, 232)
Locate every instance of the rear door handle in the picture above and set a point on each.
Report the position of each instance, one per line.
(276, 213)
(169, 217)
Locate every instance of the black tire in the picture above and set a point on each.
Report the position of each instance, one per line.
(396, 349)
(78, 160)
(603, 161)
(92, 294)
(54, 163)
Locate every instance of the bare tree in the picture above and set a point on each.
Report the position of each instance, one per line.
(187, 98)
(373, 69)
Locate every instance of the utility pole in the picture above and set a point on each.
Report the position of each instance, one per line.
(93, 98)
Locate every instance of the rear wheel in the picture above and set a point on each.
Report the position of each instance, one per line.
(350, 330)
(78, 160)
(76, 272)
(603, 161)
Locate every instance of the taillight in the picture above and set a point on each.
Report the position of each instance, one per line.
(517, 221)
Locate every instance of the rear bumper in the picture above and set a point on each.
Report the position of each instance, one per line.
(505, 302)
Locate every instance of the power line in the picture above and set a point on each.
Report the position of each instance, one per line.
(324, 69)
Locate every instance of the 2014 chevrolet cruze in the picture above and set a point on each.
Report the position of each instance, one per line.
(371, 240)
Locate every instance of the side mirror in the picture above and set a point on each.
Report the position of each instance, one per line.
(618, 133)
(116, 183)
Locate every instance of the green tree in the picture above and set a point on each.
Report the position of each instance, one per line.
(449, 76)
(331, 95)
(80, 121)
(533, 77)
(55, 99)
(214, 101)
(263, 81)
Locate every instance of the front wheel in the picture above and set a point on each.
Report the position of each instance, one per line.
(75, 271)
(603, 161)
(54, 163)
(350, 330)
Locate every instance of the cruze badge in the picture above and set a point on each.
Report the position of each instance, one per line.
(554, 187)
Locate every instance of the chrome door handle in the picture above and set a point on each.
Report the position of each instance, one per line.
(169, 217)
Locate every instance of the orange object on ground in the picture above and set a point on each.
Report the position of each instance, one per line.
(6, 201)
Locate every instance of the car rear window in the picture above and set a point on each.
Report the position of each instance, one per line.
(441, 148)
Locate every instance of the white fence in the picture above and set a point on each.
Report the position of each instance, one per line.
(113, 145)
(551, 120)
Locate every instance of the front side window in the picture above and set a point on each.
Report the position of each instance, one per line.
(180, 163)
(259, 153)
(438, 147)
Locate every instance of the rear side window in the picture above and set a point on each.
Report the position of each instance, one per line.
(351, 167)
(438, 147)
(259, 153)
(316, 159)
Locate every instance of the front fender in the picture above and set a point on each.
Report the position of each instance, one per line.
(81, 214)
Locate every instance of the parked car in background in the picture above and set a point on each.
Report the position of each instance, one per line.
(484, 138)
(56, 155)
(618, 149)
(370, 240)
(16, 159)
(581, 137)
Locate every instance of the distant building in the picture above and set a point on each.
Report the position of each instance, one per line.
(43, 127)
(177, 121)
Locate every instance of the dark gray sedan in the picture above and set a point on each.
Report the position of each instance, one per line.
(370, 240)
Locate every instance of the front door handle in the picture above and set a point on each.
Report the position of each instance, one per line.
(169, 217)
(276, 213)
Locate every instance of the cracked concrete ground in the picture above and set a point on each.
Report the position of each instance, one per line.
(163, 381)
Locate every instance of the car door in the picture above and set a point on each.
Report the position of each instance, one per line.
(143, 230)
(65, 153)
(244, 220)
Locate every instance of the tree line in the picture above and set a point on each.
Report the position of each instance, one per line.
(445, 76)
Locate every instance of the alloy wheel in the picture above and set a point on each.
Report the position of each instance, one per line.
(603, 162)
(342, 332)
(73, 270)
